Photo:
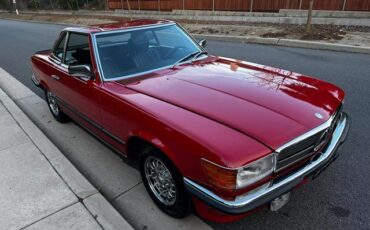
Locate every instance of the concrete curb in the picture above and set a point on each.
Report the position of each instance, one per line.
(103, 212)
(40, 22)
(288, 43)
(222, 16)
(257, 40)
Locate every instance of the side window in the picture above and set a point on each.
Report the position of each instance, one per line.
(59, 48)
(78, 51)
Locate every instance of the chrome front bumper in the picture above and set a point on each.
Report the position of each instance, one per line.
(251, 201)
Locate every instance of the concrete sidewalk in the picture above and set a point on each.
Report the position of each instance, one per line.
(40, 188)
(119, 183)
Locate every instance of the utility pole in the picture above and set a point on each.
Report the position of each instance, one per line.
(15, 7)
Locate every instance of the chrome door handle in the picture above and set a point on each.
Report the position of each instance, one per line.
(55, 77)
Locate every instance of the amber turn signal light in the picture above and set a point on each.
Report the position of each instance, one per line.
(219, 176)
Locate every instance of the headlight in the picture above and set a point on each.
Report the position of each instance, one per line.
(231, 179)
(255, 171)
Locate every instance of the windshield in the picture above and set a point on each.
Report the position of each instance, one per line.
(124, 54)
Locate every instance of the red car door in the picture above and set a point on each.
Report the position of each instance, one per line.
(79, 96)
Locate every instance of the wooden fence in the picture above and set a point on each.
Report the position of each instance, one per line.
(240, 5)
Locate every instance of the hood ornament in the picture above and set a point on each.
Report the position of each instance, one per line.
(318, 115)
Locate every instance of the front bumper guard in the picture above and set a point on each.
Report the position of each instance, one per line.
(251, 201)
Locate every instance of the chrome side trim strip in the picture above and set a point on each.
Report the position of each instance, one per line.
(253, 200)
(88, 120)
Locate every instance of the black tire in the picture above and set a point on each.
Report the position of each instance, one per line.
(181, 207)
(54, 108)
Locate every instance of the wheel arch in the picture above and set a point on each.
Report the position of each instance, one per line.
(136, 142)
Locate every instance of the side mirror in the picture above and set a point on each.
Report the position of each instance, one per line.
(203, 43)
(81, 71)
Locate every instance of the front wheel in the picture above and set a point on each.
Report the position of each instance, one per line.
(53, 105)
(164, 183)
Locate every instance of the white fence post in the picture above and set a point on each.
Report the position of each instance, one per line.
(251, 9)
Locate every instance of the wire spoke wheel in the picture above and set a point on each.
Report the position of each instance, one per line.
(52, 101)
(160, 180)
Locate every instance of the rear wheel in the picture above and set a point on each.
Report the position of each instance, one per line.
(164, 183)
(55, 110)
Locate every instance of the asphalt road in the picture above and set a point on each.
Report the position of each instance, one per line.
(339, 198)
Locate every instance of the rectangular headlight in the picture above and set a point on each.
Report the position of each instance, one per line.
(255, 171)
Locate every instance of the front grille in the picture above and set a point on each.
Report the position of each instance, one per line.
(299, 150)
(306, 148)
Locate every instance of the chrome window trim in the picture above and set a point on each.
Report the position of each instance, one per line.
(97, 56)
(52, 56)
(65, 48)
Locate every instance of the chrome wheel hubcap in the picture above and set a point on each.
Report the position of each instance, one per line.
(53, 103)
(160, 180)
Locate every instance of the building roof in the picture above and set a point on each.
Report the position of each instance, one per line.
(118, 26)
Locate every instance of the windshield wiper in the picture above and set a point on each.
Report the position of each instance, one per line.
(185, 58)
(198, 55)
(195, 55)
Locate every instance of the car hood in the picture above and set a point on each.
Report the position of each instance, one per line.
(270, 105)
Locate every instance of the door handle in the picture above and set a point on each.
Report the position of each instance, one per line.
(55, 77)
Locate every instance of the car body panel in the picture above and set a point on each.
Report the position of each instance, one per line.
(227, 111)
(272, 107)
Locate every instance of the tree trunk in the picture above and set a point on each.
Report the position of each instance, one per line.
(52, 5)
(69, 5)
(78, 8)
(128, 5)
(309, 18)
(129, 9)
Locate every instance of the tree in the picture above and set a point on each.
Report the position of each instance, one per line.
(309, 18)
(129, 9)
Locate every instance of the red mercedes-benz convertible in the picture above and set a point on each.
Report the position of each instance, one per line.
(228, 136)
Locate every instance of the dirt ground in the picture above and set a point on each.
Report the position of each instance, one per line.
(357, 36)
